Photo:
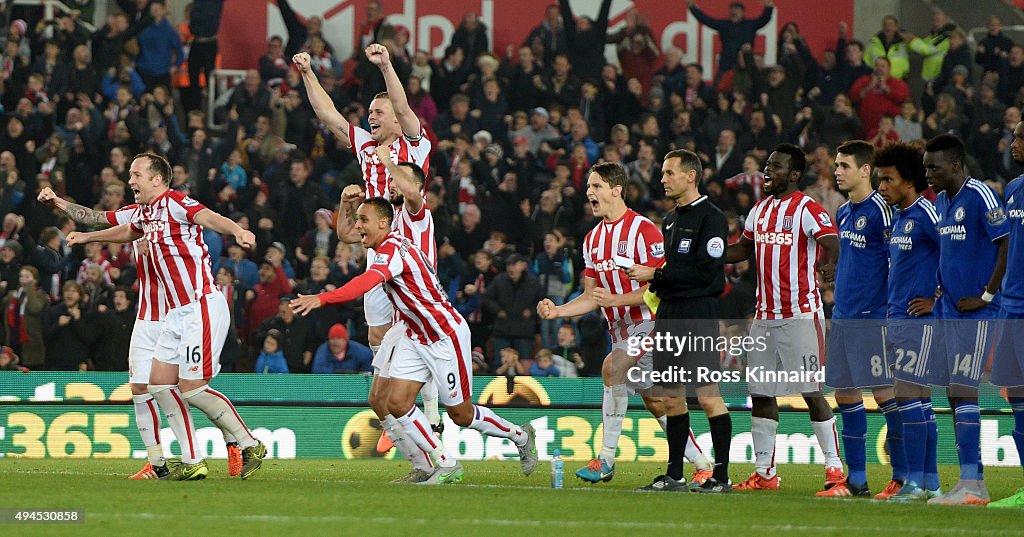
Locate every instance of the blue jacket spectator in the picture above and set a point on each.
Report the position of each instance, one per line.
(544, 366)
(156, 43)
(340, 355)
(247, 273)
(271, 360)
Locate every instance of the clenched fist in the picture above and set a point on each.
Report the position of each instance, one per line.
(378, 55)
(302, 60)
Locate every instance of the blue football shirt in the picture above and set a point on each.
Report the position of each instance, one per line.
(862, 273)
(1013, 282)
(969, 225)
(913, 256)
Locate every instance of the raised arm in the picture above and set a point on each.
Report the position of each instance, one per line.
(379, 56)
(226, 226)
(401, 176)
(118, 234)
(81, 215)
(321, 102)
(355, 288)
(345, 226)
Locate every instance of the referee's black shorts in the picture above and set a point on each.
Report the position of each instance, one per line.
(696, 319)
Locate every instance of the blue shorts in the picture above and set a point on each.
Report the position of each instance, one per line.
(856, 354)
(1008, 362)
(968, 343)
(909, 344)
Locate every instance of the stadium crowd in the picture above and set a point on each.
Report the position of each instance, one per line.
(514, 133)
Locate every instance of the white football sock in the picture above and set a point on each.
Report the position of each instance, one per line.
(418, 428)
(405, 445)
(695, 455)
(829, 441)
(763, 431)
(491, 424)
(429, 394)
(147, 420)
(221, 412)
(614, 403)
(179, 418)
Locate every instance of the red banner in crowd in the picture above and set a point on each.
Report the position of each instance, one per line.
(246, 26)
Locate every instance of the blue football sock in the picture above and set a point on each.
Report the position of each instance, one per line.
(855, 429)
(915, 439)
(894, 439)
(1018, 426)
(967, 416)
(931, 467)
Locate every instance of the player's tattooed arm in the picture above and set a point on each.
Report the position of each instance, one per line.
(81, 215)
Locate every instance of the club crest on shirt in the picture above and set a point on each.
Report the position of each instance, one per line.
(861, 223)
(621, 248)
(959, 214)
(657, 250)
(996, 217)
(787, 223)
(684, 246)
(908, 226)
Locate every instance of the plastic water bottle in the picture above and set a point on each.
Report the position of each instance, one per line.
(557, 471)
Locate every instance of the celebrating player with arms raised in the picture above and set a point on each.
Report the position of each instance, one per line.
(434, 345)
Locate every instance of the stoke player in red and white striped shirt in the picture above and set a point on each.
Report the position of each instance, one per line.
(622, 239)
(785, 232)
(414, 221)
(435, 344)
(151, 308)
(194, 328)
(394, 125)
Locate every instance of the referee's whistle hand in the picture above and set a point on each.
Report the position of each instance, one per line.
(640, 273)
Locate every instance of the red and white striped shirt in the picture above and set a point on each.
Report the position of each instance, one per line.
(152, 305)
(634, 237)
(83, 270)
(412, 285)
(419, 229)
(179, 259)
(403, 149)
(785, 233)
(755, 180)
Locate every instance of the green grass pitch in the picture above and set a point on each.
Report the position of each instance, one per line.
(321, 497)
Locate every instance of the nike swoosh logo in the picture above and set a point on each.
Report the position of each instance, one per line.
(670, 225)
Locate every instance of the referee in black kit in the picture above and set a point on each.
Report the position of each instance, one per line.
(689, 284)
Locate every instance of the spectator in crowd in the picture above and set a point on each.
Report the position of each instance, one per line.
(994, 48)
(933, 47)
(23, 312)
(585, 39)
(554, 270)
(159, 49)
(908, 123)
(340, 355)
(115, 324)
(946, 119)
(510, 298)
(9, 361)
(550, 36)
(471, 36)
(69, 330)
(878, 94)
(293, 332)
(544, 365)
(509, 364)
(735, 31)
(888, 43)
(264, 297)
(958, 56)
(271, 358)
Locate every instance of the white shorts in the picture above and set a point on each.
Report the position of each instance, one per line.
(193, 336)
(388, 345)
(645, 362)
(448, 360)
(795, 344)
(376, 305)
(141, 350)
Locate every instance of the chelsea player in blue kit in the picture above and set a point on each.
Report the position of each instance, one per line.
(1008, 364)
(910, 331)
(972, 231)
(856, 354)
